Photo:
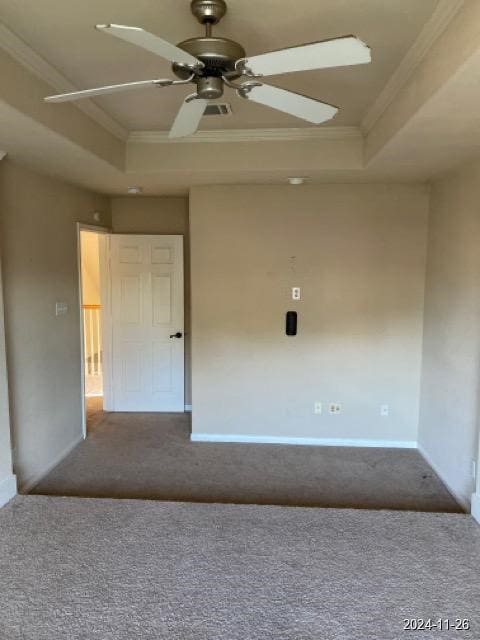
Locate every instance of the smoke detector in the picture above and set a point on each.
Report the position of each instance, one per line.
(134, 191)
(296, 180)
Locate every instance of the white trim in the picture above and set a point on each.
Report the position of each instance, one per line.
(476, 506)
(248, 135)
(442, 16)
(8, 489)
(460, 499)
(26, 56)
(319, 442)
(188, 407)
(34, 479)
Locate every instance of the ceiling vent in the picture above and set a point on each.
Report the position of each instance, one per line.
(218, 109)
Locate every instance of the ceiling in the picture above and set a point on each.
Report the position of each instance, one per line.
(88, 58)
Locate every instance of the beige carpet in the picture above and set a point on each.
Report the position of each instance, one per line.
(151, 456)
(73, 569)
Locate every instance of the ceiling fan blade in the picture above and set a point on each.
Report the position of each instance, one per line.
(188, 118)
(150, 42)
(113, 88)
(294, 104)
(338, 52)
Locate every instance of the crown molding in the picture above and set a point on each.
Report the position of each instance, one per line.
(248, 135)
(25, 55)
(444, 13)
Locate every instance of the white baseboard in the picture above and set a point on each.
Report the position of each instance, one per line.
(8, 489)
(459, 498)
(35, 478)
(188, 407)
(476, 506)
(319, 442)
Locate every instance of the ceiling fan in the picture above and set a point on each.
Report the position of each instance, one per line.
(211, 63)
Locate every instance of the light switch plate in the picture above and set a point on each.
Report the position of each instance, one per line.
(61, 308)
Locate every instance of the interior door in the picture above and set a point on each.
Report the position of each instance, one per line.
(147, 316)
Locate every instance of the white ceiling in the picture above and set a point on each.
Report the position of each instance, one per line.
(62, 32)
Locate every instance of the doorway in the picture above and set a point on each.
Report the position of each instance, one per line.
(91, 272)
(132, 323)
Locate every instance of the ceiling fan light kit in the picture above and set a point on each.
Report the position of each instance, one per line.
(212, 63)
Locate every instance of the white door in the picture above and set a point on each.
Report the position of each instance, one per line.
(147, 323)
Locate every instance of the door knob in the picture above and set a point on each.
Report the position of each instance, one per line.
(177, 335)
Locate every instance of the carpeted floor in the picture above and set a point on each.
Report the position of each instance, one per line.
(151, 456)
(75, 569)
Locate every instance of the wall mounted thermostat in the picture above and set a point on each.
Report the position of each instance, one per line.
(296, 293)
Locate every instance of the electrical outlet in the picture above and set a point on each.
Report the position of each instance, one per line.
(384, 410)
(318, 408)
(296, 293)
(335, 408)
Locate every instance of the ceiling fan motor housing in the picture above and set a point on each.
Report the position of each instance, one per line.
(219, 56)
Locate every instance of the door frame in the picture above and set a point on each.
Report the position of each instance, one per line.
(104, 276)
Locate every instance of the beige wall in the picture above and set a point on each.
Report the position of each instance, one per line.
(24, 91)
(5, 442)
(358, 252)
(38, 218)
(168, 216)
(451, 352)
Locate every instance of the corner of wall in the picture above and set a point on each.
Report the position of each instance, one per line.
(429, 187)
(476, 506)
(8, 489)
(47, 207)
(32, 480)
(8, 483)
